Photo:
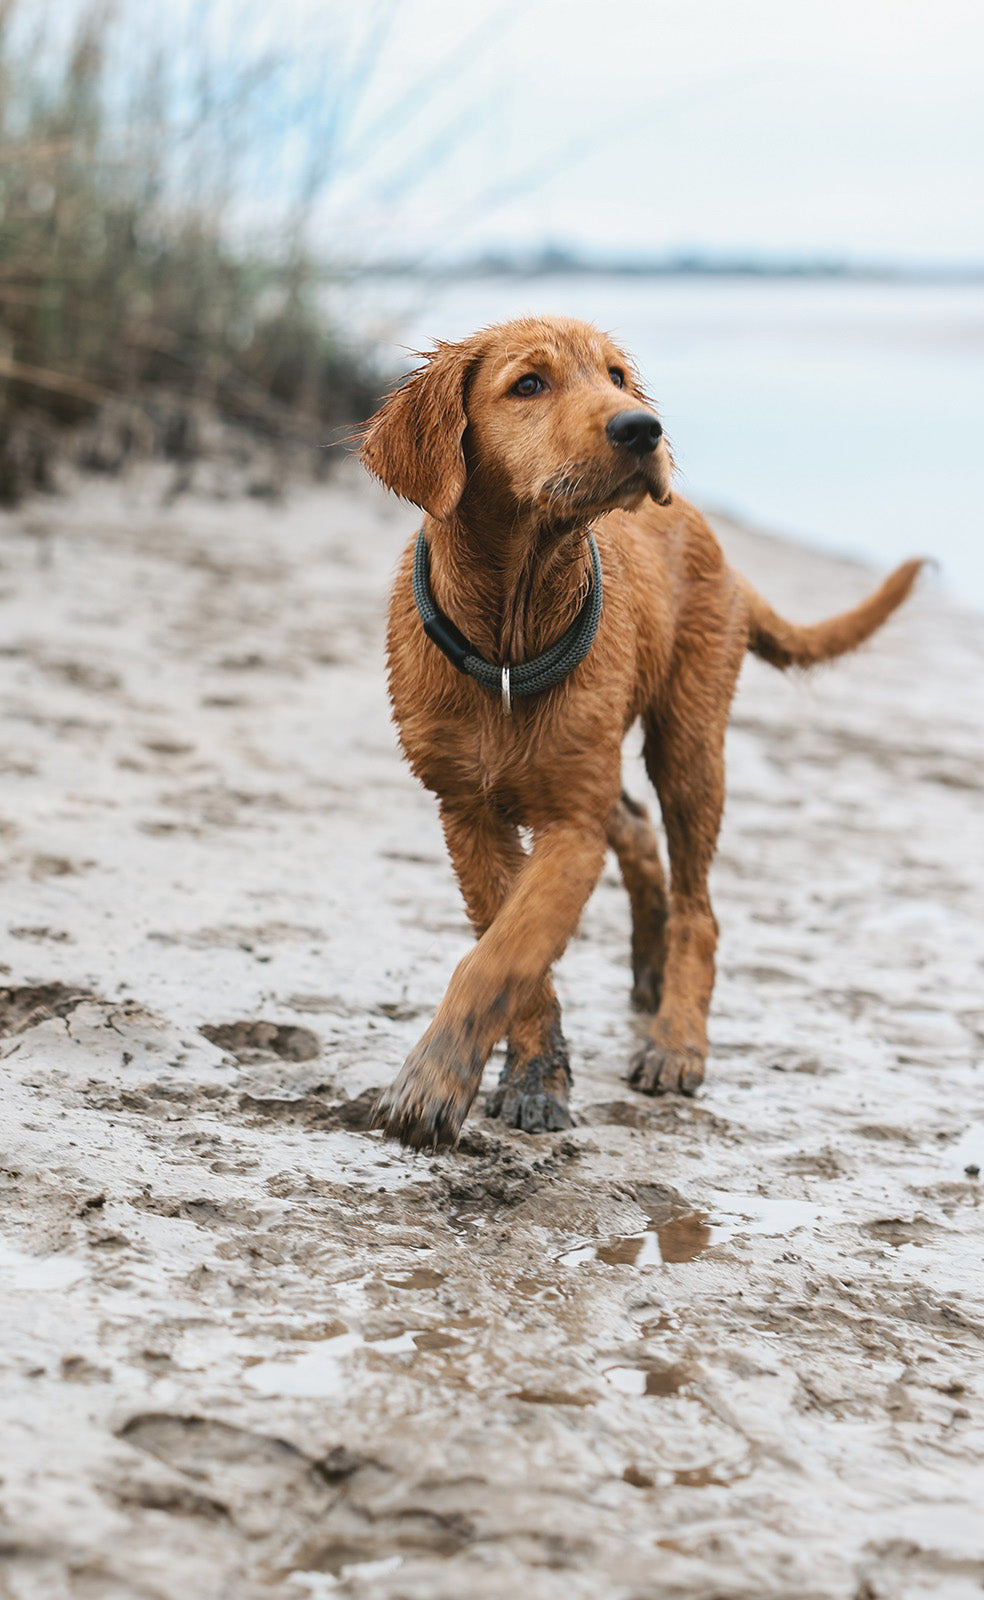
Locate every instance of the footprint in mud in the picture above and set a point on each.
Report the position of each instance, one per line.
(618, 1114)
(25, 1007)
(385, 1538)
(259, 1041)
(314, 1110)
(260, 1482)
(896, 1231)
(43, 866)
(326, 1515)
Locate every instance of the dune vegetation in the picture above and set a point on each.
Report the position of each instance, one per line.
(144, 311)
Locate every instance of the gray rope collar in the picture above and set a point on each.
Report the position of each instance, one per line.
(529, 677)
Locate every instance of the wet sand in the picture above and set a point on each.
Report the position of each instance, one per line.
(727, 1347)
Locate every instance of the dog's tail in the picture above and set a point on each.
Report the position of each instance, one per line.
(783, 644)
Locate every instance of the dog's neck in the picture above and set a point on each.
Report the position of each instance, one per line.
(511, 589)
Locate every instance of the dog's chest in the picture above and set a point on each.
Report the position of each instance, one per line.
(509, 760)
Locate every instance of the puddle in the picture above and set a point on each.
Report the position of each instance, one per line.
(320, 1371)
(685, 1235)
(741, 1214)
(652, 1379)
(317, 1373)
(679, 1238)
(435, 1340)
(683, 1238)
(632, 1250)
(419, 1278)
(538, 1289)
(578, 1253)
(655, 1380)
(21, 1271)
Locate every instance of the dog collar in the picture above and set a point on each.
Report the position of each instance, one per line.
(529, 677)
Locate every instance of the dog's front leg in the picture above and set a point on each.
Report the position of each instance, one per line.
(534, 1088)
(494, 983)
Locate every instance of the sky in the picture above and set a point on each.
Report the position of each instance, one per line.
(846, 128)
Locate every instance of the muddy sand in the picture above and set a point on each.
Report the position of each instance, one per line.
(729, 1347)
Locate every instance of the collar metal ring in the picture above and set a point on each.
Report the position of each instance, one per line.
(506, 696)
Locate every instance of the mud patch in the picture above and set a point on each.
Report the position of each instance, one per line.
(25, 1007)
(319, 1109)
(262, 1041)
(552, 1397)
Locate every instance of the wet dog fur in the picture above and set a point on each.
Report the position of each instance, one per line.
(513, 443)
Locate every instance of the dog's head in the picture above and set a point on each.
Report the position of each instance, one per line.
(545, 417)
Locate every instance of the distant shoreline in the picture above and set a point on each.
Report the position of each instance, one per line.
(557, 263)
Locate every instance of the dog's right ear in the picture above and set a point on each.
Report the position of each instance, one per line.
(414, 442)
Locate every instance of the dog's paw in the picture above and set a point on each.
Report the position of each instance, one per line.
(536, 1100)
(530, 1112)
(427, 1104)
(658, 1069)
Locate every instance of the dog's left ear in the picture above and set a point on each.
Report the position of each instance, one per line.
(414, 442)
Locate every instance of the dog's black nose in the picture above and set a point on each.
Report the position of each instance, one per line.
(637, 431)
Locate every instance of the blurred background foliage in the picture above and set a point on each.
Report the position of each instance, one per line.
(140, 313)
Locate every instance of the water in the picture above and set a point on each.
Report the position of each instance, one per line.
(848, 415)
(680, 1236)
(322, 1370)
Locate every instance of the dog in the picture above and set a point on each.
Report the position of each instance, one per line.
(557, 592)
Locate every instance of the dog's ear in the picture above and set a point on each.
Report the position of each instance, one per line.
(414, 442)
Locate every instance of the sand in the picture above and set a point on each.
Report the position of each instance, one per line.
(727, 1348)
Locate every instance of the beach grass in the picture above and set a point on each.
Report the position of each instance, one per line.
(137, 304)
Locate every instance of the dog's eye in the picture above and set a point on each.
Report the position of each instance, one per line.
(617, 376)
(528, 384)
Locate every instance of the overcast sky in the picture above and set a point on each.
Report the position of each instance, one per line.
(843, 127)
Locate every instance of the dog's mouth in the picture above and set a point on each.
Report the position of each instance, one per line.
(587, 487)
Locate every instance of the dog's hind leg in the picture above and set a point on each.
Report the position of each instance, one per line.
(684, 754)
(633, 838)
(504, 979)
(691, 793)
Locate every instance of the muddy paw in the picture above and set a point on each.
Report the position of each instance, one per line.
(658, 1069)
(536, 1101)
(429, 1101)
